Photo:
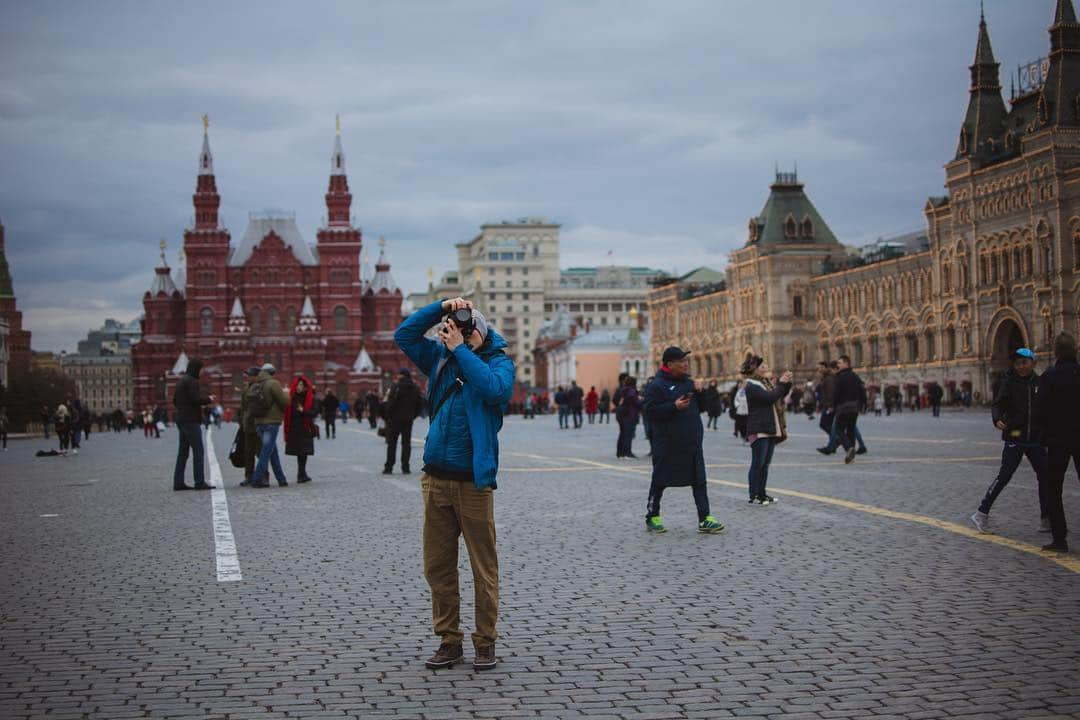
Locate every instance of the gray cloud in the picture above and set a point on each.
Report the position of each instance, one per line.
(644, 128)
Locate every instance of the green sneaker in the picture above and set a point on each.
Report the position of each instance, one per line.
(710, 525)
(654, 524)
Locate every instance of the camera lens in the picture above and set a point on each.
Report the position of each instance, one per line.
(462, 316)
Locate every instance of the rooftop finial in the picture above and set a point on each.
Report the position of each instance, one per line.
(161, 245)
(337, 124)
(382, 241)
(982, 13)
(205, 124)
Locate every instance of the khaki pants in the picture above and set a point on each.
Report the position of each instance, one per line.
(453, 509)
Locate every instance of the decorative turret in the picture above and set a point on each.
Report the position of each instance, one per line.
(237, 323)
(206, 196)
(163, 303)
(181, 271)
(309, 321)
(338, 197)
(1061, 102)
(383, 280)
(984, 123)
(163, 285)
(364, 363)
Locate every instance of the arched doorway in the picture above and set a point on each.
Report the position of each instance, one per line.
(1007, 339)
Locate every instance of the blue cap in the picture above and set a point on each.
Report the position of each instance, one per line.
(1024, 353)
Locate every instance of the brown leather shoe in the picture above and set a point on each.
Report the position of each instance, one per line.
(446, 656)
(485, 657)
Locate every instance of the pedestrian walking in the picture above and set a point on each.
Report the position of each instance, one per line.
(627, 414)
(562, 407)
(62, 421)
(147, 423)
(4, 422)
(252, 445)
(470, 383)
(879, 404)
(358, 408)
(330, 408)
(713, 404)
(343, 407)
(765, 424)
(373, 408)
(574, 402)
(75, 411)
(528, 408)
(267, 401)
(849, 395)
(592, 401)
(603, 407)
(740, 410)
(403, 406)
(189, 399)
(1056, 412)
(1012, 414)
(935, 393)
(678, 459)
(299, 425)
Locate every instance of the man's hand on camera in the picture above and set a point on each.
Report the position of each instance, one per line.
(456, 304)
(451, 334)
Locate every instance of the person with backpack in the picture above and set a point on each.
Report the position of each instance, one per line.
(189, 399)
(299, 424)
(267, 402)
(403, 405)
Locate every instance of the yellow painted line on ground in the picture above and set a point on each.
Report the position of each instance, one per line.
(1066, 561)
(543, 469)
(930, 441)
(829, 463)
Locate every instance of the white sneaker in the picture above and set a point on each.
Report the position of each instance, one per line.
(1044, 525)
(75, 451)
(981, 521)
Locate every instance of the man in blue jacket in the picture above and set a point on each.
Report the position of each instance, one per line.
(470, 380)
(677, 456)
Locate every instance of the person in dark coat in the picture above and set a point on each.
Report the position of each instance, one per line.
(299, 425)
(358, 407)
(189, 400)
(677, 456)
(1056, 413)
(603, 407)
(935, 392)
(373, 408)
(402, 406)
(712, 405)
(765, 426)
(252, 444)
(329, 413)
(849, 397)
(574, 401)
(626, 414)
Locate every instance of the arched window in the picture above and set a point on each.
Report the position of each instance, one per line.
(807, 227)
(290, 319)
(206, 321)
(340, 318)
(796, 306)
(790, 230)
(255, 318)
(273, 320)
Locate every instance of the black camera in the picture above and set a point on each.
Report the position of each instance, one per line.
(463, 319)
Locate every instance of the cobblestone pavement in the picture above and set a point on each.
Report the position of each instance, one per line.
(862, 595)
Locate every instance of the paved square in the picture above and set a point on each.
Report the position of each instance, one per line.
(862, 593)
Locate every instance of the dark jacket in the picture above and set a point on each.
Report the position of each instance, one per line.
(605, 402)
(1014, 404)
(629, 407)
(574, 397)
(828, 387)
(188, 397)
(848, 392)
(330, 406)
(464, 433)
(301, 438)
(404, 403)
(676, 434)
(712, 401)
(1058, 400)
(762, 418)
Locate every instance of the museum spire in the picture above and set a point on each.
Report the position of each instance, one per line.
(985, 119)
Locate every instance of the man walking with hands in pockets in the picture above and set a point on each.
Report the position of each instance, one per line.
(470, 380)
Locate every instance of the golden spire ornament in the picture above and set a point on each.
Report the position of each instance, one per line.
(205, 124)
(337, 124)
(161, 245)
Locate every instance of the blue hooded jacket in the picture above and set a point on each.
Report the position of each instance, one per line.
(476, 409)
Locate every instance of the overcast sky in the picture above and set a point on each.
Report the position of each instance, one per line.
(650, 129)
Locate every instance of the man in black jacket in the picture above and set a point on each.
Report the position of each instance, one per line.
(330, 407)
(373, 408)
(1056, 413)
(574, 399)
(402, 407)
(848, 395)
(189, 400)
(1012, 415)
(677, 433)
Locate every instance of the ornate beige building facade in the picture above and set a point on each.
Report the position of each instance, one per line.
(997, 268)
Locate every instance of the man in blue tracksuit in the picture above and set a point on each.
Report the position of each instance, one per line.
(470, 380)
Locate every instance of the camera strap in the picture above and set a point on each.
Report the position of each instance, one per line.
(459, 382)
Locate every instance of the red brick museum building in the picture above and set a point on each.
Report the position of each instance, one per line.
(306, 308)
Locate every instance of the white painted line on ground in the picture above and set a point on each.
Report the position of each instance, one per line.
(49, 515)
(228, 562)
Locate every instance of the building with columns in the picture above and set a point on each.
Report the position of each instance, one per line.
(273, 297)
(996, 269)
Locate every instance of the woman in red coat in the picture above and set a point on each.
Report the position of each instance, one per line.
(299, 424)
(591, 402)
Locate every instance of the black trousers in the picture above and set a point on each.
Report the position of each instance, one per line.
(627, 429)
(845, 429)
(191, 442)
(331, 427)
(1057, 462)
(393, 431)
(1011, 455)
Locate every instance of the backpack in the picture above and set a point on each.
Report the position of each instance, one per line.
(257, 404)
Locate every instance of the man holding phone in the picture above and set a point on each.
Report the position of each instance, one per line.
(470, 380)
(677, 433)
